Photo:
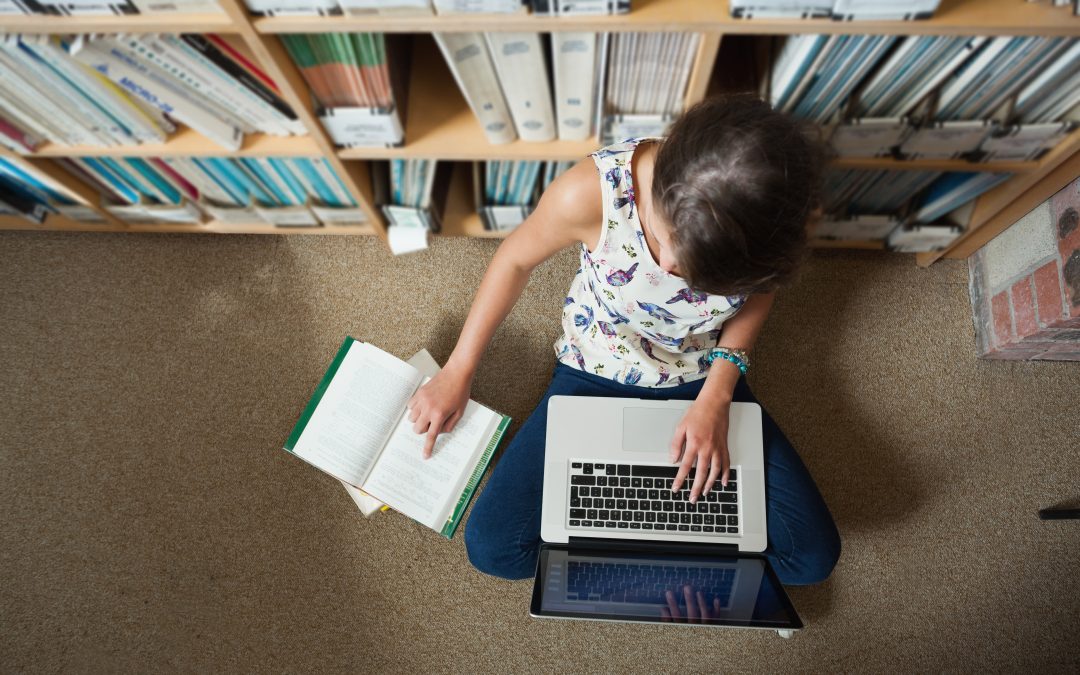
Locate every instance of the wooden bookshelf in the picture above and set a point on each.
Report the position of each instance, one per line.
(953, 17)
(439, 124)
(57, 222)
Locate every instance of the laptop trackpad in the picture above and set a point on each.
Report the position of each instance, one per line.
(649, 429)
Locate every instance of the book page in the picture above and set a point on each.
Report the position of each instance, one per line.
(422, 489)
(357, 413)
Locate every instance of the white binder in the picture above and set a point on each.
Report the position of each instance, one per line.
(469, 61)
(519, 63)
(574, 62)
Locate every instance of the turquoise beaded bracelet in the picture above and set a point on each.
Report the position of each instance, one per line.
(727, 355)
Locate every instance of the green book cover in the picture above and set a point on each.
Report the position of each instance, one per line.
(474, 480)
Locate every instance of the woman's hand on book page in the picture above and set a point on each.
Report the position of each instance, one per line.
(437, 406)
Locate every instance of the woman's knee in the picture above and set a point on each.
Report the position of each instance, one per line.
(813, 561)
(492, 553)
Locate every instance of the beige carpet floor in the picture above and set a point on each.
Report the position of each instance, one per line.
(152, 523)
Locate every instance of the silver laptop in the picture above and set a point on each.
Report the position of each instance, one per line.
(620, 545)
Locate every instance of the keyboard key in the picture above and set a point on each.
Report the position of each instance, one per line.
(644, 506)
(642, 494)
(646, 526)
(697, 519)
(609, 503)
(610, 524)
(668, 506)
(632, 505)
(733, 521)
(635, 482)
(603, 515)
(685, 518)
(598, 467)
(585, 503)
(710, 520)
(624, 481)
(574, 502)
(731, 486)
(635, 526)
(591, 514)
(575, 465)
(661, 517)
(732, 475)
(627, 515)
(672, 527)
(727, 498)
(620, 493)
(653, 494)
(601, 481)
(587, 469)
(607, 492)
(583, 480)
(610, 469)
(646, 482)
(620, 504)
(656, 471)
(577, 513)
(684, 528)
(650, 517)
(596, 492)
(614, 515)
(665, 495)
(729, 508)
(695, 528)
(623, 525)
(586, 523)
(708, 528)
(714, 508)
(733, 530)
(711, 497)
(639, 516)
(575, 523)
(624, 469)
(680, 507)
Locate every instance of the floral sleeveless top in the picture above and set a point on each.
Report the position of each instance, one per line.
(626, 318)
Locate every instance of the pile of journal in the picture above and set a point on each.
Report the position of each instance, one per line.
(356, 429)
(364, 8)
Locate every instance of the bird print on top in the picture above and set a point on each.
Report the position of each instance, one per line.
(625, 317)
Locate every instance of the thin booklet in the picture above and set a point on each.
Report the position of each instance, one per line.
(356, 429)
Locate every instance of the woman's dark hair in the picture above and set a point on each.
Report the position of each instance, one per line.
(738, 182)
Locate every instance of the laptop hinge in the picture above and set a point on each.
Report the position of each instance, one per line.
(647, 546)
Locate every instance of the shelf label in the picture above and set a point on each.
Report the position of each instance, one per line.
(288, 216)
(363, 127)
(947, 140)
(869, 137)
(332, 215)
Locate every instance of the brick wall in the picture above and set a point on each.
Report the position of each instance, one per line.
(1025, 285)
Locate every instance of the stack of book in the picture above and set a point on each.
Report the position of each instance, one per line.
(282, 191)
(25, 193)
(428, 7)
(93, 7)
(841, 10)
(351, 78)
(908, 210)
(931, 96)
(127, 89)
(507, 191)
(622, 85)
(645, 86)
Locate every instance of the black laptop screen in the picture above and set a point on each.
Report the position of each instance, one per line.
(649, 587)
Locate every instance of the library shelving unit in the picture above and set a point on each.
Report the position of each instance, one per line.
(439, 124)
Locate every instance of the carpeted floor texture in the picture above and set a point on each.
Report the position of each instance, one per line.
(152, 523)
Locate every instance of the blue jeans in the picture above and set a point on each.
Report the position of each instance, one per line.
(502, 535)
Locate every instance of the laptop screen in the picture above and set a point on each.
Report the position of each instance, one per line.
(661, 588)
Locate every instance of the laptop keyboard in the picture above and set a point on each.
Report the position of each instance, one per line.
(646, 583)
(639, 497)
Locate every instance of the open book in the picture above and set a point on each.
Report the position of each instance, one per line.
(356, 429)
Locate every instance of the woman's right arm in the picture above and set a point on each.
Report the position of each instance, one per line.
(569, 212)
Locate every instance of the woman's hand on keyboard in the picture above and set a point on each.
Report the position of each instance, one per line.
(437, 406)
(701, 440)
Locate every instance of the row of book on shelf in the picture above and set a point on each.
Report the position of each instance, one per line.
(293, 191)
(315, 7)
(852, 10)
(974, 97)
(909, 210)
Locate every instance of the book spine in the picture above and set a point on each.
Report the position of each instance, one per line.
(137, 78)
(474, 480)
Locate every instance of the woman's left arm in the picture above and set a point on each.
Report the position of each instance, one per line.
(701, 437)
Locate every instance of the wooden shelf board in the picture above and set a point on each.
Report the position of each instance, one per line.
(59, 223)
(954, 17)
(146, 23)
(187, 143)
(888, 163)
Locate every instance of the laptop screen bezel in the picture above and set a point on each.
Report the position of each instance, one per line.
(536, 610)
